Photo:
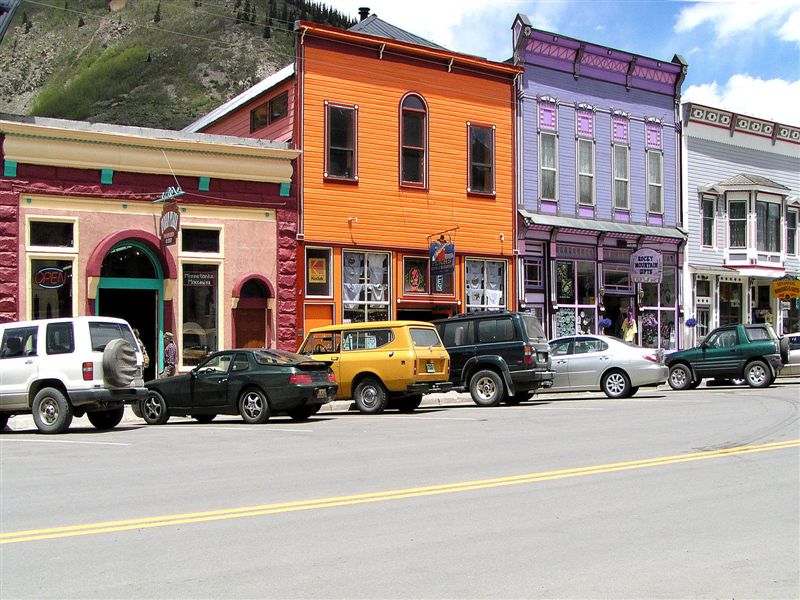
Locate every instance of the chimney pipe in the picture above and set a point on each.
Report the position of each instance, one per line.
(363, 12)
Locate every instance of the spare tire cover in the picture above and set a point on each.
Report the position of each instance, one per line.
(784, 344)
(119, 363)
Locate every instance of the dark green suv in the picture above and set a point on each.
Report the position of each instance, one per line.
(497, 356)
(750, 352)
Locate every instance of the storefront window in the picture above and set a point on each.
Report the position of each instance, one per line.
(51, 288)
(318, 272)
(703, 322)
(486, 285)
(415, 275)
(730, 303)
(365, 286)
(659, 312)
(200, 287)
(565, 276)
(576, 290)
(617, 279)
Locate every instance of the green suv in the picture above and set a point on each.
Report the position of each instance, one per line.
(750, 352)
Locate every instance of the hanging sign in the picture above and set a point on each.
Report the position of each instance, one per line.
(646, 266)
(786, 288)
(170, 223)
(443, 258)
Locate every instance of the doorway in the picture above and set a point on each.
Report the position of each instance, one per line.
(616, 311)
(139, 308)
(252, 316)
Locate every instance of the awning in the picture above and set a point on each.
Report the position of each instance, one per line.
(602, 226)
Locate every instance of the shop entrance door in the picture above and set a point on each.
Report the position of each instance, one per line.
(616, 310)
(251, 328)
(131, 287)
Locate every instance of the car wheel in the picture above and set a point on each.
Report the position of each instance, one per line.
(616, 384)
(486, 388)
(154, 409)
(409, 403)
(757, 374)
(253, 407)
(203, 418)
(106, 419)
(693, 385)
(302, 413)
(3, 422)
(119, 363)
(370, 396)
(52, 412)
(680, 377)
(633, 391)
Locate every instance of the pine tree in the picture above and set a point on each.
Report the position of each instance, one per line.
(157, 16)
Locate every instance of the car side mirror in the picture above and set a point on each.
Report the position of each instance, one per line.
(193, 372)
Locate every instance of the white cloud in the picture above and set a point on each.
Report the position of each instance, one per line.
(771, 99)
(730, 18)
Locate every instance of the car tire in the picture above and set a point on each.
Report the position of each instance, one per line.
(154, 409)
(302, 413)
(119, 363)
(518, 398)
(204, 419)
(254, 407)
(757, 374)
(616, 384)
(694, 384)
(633, 391)
(106, 419)
(3, 422)
(784, 349)
(370, 396)
(408, 404)
(52, 412)
(486, 388)
(680, 377)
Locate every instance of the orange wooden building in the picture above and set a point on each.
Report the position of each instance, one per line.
(404, 143)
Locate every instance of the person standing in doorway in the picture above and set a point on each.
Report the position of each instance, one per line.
(145, 356)
(170, 356)
(629, 329)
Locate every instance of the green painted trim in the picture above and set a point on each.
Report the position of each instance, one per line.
(204, 184)
(285, 188)
(9, 168)
(129, 283)
(107, 176)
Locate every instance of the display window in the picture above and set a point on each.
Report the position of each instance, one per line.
(319, 282)
(200, 312)
(485, 285)
(51, 287)
(366, 293)
(576, 296)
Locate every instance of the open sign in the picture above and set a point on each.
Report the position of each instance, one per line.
(50, 278)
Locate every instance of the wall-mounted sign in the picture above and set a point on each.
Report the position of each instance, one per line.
(317, 270)
(199, 278)
(170, 223)
(786, 288)
(50, 278)
(443, 258)
(646, 266)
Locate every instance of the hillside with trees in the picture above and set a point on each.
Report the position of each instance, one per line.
(149, 63)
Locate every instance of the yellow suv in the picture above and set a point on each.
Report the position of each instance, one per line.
(382, 364)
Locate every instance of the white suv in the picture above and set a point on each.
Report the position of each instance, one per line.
(60, 368)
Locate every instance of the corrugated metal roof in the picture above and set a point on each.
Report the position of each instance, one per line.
(243, 98)
(603, 226)
(372, 25)
(7, 9)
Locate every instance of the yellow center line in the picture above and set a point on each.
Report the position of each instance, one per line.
(464, 486)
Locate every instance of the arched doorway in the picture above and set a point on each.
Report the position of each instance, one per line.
(252, 315)
(131, 287)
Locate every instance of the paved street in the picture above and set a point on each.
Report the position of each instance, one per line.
(663, 495)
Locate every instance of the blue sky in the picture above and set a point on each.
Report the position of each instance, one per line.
(743, 56)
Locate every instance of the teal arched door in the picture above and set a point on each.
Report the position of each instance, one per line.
(131, 287)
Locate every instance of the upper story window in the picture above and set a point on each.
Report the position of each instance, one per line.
(737, 223)
(269, 112)
(534, 274)
(768, 225)
(413, 141)
(621, 177)
(708, 222)
(548, 149)
(481, 159)
(655, 182)
(200, 240)
(586, 172)
(341, 141)
(51, 234)
(791, 230)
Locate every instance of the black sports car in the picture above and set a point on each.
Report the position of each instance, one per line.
(254, 383)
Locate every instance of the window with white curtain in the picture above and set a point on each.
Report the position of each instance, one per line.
(486, 285)
(586, 172)
(548, 166)
(365, 286)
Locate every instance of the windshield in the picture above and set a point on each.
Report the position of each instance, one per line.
(103, 332)
(533, 327)
(425, 337)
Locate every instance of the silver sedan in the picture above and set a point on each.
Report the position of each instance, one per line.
(792, 368)
(600, 362)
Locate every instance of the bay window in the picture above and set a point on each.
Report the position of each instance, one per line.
(768, 226)
(791, 230)
(737, 223)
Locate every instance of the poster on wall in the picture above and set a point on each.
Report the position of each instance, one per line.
(317, 270)
(647, 266)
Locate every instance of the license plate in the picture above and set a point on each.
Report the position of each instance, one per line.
(323, 393)
(430, 368)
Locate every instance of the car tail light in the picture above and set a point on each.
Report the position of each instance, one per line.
(88, 371)
(654, 358)
(529, 355)
(331, 377)
(300, 378)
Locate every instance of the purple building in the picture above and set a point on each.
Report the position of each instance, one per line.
(598, 187)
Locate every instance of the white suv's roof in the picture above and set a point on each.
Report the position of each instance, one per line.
(84, 319)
